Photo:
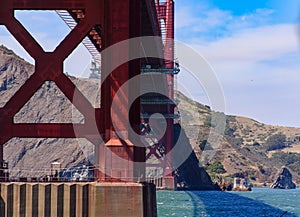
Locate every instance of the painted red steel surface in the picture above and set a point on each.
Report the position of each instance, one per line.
(119, 20)
(122, 22)
(48, 67)
(169, 55)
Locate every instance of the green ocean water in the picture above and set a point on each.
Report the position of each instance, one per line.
(259, 202)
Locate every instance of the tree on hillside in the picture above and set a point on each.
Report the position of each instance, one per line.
(275, 142)
(216, 167)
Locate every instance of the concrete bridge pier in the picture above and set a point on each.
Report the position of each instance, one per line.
(77, 200)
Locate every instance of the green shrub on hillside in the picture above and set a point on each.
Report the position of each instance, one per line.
(275, 142)
(256, 144)
(207, 121)
(235, 141)
(262, 136)
(216, 167)
(229, 131)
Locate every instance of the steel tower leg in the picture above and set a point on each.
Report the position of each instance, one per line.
(117, 155)
(169, 181)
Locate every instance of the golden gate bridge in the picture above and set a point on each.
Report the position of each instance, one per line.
(98, 25)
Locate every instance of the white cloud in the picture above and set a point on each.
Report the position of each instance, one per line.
(254, 44)
(200, 20)
(259, 71)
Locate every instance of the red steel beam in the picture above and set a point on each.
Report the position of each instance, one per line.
(46, 4)
(49, 66)
(169, 57)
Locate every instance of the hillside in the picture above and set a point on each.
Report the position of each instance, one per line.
(246, 148)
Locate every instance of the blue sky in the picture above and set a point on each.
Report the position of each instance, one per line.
(253, 46)
(49, 30)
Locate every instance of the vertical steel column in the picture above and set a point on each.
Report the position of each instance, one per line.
(117, 157)
(169, 180)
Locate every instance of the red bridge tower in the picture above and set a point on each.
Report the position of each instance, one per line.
(105, 23)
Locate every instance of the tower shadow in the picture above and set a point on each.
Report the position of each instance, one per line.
(214, 204)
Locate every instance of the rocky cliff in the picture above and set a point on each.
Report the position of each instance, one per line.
(246, 148)
(284, 180)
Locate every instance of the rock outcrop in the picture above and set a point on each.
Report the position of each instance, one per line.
(284, 180)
